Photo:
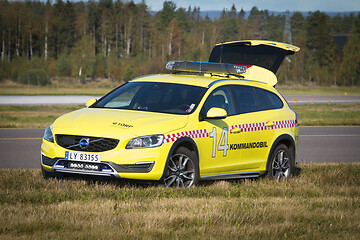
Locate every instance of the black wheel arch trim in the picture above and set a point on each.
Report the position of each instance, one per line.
(281, 138)
(178, 143)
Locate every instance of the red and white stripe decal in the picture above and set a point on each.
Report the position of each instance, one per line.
(249, 127)
(192, 134)
(284, 124)
(252, 127)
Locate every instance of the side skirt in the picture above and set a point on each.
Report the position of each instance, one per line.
(232, 176)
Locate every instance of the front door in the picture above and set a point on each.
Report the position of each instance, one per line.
(216, 157)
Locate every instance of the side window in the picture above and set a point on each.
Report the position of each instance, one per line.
(220, 98)
(273, 101)
(262, 101)
(246, 100)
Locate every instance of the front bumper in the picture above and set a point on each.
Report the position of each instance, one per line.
(98, 169)
(139, 164)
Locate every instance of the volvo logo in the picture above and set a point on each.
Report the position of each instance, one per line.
(84, 143)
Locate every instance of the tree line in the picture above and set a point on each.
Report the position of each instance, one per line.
(117, 40)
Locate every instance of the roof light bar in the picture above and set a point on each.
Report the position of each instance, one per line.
(206, 67)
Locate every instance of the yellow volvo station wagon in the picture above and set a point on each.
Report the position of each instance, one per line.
(221, 119)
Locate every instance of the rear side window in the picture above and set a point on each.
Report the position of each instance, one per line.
(246, 99)
(272, 100)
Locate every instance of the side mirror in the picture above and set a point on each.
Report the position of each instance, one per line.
(90, 102)
(216, 113)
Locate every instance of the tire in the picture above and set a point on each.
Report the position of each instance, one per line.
(47, 174)
(281, 163)
(182, 169)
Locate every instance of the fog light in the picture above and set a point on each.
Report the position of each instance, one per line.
(59, 166)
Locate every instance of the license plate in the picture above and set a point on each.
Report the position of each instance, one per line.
(86, 157)
(83, 166)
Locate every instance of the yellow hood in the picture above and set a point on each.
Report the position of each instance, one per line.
(115, 122)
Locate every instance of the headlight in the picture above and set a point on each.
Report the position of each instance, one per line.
(48, 135)
(145, 142)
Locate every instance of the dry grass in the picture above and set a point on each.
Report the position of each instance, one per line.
(53, 91)
(355, 90)
(322, 203)
(102, 86)
(32, 116)
(309, 115)
(69, 87)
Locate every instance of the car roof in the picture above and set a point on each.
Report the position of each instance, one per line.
(197, 80)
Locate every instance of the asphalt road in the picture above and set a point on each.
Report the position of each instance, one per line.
(81, 100)
(20, 148)
(329, 145)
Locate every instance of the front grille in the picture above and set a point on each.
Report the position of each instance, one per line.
(96, 144)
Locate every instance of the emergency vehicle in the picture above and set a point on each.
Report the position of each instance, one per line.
(221, 119)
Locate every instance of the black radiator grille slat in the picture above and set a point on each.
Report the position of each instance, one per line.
(96, 144)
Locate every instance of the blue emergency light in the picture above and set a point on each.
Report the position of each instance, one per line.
(206, 67)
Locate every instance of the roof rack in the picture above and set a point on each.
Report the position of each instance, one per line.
(206, 67)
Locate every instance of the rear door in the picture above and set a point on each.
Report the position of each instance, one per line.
(253, 128)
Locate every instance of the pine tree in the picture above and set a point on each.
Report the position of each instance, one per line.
(297, 26)
(64, 26)
(350, 66)
(229, 30)
(319, 39)
(166, 14)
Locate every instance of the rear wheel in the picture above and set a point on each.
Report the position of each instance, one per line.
(281, 163)
(182, 169)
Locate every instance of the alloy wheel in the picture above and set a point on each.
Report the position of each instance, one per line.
(180, 171)
(281, 165)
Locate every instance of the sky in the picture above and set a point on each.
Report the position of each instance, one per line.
(274, 5)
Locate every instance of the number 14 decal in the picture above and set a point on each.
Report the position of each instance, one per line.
(224, 138)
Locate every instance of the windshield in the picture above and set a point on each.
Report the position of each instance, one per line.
(154, 97)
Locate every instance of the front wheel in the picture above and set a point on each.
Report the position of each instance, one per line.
(182, 169)
(47, 174)
(281, 163)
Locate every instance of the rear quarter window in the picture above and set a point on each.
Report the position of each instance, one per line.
(272, 100)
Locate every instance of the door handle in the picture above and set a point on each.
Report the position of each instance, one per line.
(269, 124)
(236, 130)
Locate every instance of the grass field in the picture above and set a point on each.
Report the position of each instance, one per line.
(328, 115)
(309, 115)
(98, 89)
(52, 91)
(323, 202)
(31, 116)
(320, 91)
